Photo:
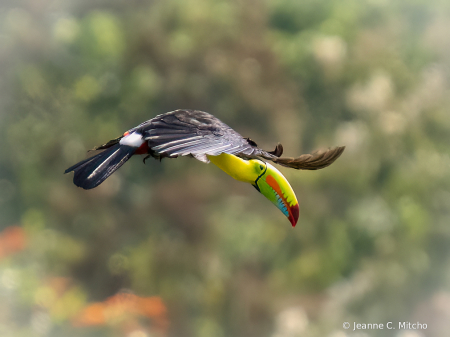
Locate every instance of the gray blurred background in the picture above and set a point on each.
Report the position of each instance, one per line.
(179, 248)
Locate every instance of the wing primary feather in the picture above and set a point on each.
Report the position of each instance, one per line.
(194, 149)
(174, 122)
(172, 143)
(216, 149)
(165, 130)
(166, 136)
(205, 146)
(162, 124)
(233, 148)
(160, 148)
(200, 150)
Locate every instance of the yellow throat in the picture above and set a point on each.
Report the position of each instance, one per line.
(236, 167)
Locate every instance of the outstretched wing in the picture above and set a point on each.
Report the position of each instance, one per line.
(197, 133)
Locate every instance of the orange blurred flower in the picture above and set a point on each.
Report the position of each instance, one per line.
(12, 240)
(124, 309)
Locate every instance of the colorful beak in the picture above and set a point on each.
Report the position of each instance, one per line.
(274, 186)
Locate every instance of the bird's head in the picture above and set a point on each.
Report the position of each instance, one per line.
(274, 186)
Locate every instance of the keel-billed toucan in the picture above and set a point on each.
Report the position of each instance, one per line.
(206, 138)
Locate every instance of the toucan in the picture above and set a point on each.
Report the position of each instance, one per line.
(204, 137)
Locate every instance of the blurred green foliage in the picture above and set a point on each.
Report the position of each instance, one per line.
(373, 241)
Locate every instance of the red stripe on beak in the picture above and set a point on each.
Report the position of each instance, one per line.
(294, 214)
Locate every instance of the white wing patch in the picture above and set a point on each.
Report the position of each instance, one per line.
(133, 139)
(201, 157)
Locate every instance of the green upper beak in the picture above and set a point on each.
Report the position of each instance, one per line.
(274, 186)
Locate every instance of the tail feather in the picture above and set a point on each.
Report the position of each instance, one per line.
(91, 172)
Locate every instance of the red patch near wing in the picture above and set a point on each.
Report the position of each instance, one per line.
(143, 149)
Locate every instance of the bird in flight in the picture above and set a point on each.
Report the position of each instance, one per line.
(201, 135)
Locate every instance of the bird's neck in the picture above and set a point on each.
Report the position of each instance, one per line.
(236, 167)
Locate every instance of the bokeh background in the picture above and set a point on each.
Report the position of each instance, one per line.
(178, 248)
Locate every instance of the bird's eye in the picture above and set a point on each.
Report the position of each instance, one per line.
(261, 167)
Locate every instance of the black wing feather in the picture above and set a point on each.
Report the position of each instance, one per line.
(192, 132)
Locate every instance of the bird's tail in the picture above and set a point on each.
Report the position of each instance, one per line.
(91, 172)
